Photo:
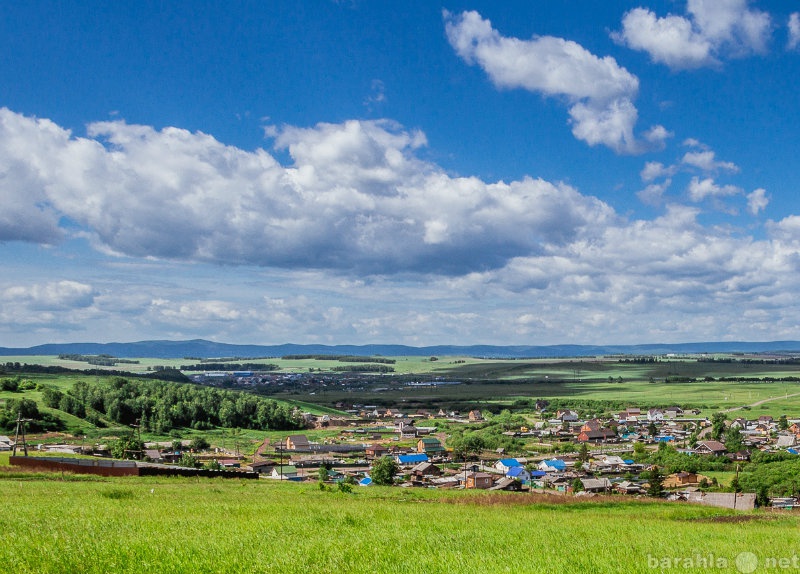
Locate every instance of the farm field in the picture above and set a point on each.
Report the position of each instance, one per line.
(492, 383)
(137, 525)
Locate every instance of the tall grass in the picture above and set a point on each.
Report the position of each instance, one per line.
(191, 525)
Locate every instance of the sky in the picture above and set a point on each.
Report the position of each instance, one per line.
(358, 172)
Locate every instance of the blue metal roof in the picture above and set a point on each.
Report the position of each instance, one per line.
(556, 463)
(515, 471)
(509, 462)
(412, 458)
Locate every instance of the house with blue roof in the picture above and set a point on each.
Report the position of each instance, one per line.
(519, 473)
(553, 465)
(412, 459)
(505, 464)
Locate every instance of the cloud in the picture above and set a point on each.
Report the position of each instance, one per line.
(757, 201)
(356, 197)
(655, 169)
(707, 188)
(705, 160)
(50, 296)
(653, 194)
(794, 31)
(712, 30)
(26, 213)
(599, 91)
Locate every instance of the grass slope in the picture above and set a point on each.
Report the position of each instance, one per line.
(188, 525)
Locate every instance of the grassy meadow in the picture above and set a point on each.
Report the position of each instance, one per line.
(54, 524)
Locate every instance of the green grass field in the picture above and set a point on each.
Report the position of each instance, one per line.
(82, 524)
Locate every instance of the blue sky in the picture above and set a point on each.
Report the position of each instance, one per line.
(346, 172)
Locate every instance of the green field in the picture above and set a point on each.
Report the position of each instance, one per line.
(84, 524)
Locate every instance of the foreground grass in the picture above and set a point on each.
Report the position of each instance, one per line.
(191, 525)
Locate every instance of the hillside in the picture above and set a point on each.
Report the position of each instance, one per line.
(84, 524)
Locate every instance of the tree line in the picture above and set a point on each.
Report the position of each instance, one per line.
(341, 358)
(204, 366)
(161, 406)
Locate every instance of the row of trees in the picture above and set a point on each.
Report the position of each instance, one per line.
(161, 406)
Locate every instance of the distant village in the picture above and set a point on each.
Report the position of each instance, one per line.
(599, 461)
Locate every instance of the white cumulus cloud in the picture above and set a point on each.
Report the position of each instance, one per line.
(794, 31)
(706, 161)
(757, 201)
(711, 30)
(599, 91)
(355, 196)
(700, 189)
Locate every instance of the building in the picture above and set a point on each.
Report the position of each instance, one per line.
(297, 442)
(430, 446)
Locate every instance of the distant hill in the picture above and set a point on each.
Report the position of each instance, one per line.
(208, 349)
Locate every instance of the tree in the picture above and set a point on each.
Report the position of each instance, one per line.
(733, 439)
(188, 460)
(127, 448)
(468, 444)
(583, 453)
(783, 423)
(656, 482)
(199, 443)
(652, 430)
(322, 474)
(383, 471)
(735, 486)
(577, 485)
(717, 425)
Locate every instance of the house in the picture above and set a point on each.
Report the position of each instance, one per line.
(297, 442)
(480, 480)
(518, 473)
(424, 470)
(596, 436)
(596, 484)
(627, 487)
(591, 425)
(475, 415)
(655, 415)
(681, 479)
(286, 472)
(765, 420)
(411, 459)
(742, 455)
(506, 464)
(153, 455)
(553, 465)
(430, 446)
(786, 441)
(710, 447)
(567, 416)
(6, 443)
(673, 412)
(507, 484)
(376, 451)
(406, 428)
(608, 463)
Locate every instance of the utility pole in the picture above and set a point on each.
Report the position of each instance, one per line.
(20, 427)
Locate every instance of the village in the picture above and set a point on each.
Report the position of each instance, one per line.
(562, 455)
